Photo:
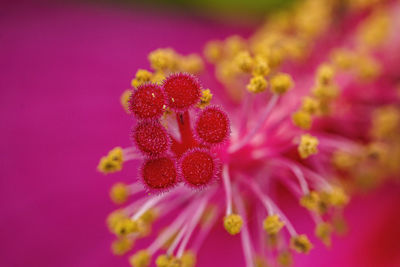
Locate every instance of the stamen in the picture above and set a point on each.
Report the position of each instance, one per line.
(244, 235)
(258, 126)
(228, 189)
(172, 229)
(204, 232)
(297, 172)
(149, 204)
(177, 239)
(192, 225)
(272, 208)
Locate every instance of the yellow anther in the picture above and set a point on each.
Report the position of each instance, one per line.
(205, 98)
(116, 154)
(158, 77)
(377, 152)
(260, 261)
(325, 92)
(301, 244)
(272, 224)
(368, 68)
(113, 218)
(344, 160)
(192, 64)
(308, 146)
(175, 262)
(311, 201)
(302, 119)
(244, 61)
(325, 74)
(107, 165)
(140, 259)
(141, 77)
(126, 95)
(343, 58)
(121, 245)
(143, 228)
(335, 197)
(385, 122)
(163, 261)
(324, 231)
(213, 51)
(163, 59)
(295, 48)
(168, 261)
(310, 105)
(149, 216)
(257, 84)
(281, 83)
(324, 106)
(112, 162)
(188, 259)
(261, 67)
(119, 193)
(374, 31)
(275, 56)
(285, 259)
(225, 72)
(233, 223)
(234, 44)
(125, 226)
(339, 224)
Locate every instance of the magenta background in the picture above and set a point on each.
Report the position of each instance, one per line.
(62, 70)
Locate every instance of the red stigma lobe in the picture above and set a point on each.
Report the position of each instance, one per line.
(159, 173)
(212, 126)
(198, 167)
(182, 91)
(147, 102)
(150, 138)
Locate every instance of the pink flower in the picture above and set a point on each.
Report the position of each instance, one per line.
(310, 144)
(62, 68)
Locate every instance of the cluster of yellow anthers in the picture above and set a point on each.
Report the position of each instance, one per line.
(372, 163)
(285, 36)
(163, 62)
(128, 230)
(112, 162)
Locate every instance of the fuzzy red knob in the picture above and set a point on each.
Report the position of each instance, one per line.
(151, 138)
(182, 91)
(212, 126)
(148, 101)
(159, 173)
(198, 167)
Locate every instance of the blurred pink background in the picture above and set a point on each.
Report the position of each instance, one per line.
(63, 67)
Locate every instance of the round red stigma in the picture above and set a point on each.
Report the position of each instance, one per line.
(212, 126)
(198, 167)
(150, 138)
(148, 101)
(182, 91)
(159, 173)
